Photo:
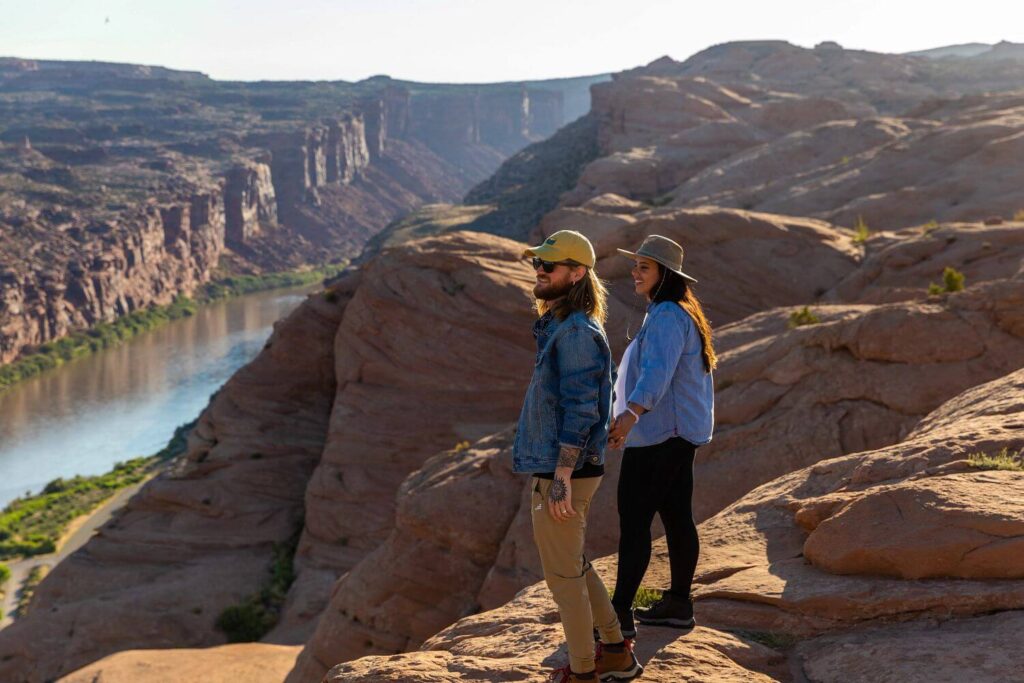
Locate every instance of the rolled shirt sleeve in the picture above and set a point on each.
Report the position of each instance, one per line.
(581, 362)
(662, 347)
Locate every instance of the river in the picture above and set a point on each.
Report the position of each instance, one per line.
(125, 401)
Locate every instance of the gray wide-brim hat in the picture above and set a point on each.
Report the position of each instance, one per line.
(663, 250)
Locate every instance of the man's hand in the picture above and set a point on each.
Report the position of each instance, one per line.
(560, 494)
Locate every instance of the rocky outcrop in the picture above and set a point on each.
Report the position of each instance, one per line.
(52, 284)
(347, 151)
(289, 166)
(899, 267)
(767, 562)
(200, 537)
(251, 662)
(248, 201)
(771, 260)
(788, 617)
(522, 641)
(861, 378)
(451, 367)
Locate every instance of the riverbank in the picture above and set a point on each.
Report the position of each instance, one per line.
(35, 524)
(55, 353)
(26, 573)
(37, 532)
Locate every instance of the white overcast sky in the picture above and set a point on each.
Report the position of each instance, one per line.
(469, 40)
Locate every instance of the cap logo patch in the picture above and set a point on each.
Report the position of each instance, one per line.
(549, 241)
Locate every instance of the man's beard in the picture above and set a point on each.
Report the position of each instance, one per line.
(551, 291)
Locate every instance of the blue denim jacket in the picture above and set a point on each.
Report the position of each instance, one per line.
(569, 400)
(666, 376)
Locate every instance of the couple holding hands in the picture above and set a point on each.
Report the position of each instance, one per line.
(659, 406)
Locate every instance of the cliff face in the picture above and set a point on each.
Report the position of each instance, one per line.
(270, 175)
(53, 284)
(201, 536)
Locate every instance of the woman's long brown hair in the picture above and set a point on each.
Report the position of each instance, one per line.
(672, 287)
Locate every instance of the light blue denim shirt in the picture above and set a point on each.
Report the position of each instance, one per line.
(569, 400)
(666, 376)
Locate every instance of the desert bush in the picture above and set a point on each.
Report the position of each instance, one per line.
(861, 231)
(805, 316)
(952, 281)
(645, 597)
(255, 616)
(1003, 460)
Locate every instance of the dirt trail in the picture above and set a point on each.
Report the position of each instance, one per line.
(79, 531)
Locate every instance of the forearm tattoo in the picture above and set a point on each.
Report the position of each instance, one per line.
(568, 456)
(558, 491)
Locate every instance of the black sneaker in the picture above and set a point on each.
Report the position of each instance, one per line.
(626, 625)
(671, 610)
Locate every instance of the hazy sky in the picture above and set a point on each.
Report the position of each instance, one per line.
(468, 40)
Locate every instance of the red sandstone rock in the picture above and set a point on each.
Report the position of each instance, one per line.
(251, 662)
(200, 537)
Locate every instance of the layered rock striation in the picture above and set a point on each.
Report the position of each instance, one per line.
(201, 536)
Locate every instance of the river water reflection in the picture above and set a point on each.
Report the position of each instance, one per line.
(126, 401)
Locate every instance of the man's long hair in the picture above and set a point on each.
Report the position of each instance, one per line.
(672, 287)
(588, 295)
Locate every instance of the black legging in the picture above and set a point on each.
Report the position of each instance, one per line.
(656, 479)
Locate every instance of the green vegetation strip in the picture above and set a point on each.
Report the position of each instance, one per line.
(254, 617)
(1003, 460)
(103, 335)
(33, 524)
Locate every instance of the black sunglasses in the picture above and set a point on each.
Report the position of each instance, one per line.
(549, 266)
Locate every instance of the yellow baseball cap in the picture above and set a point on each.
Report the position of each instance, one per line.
(565, 245)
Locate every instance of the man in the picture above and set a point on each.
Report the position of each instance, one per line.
(563, 430)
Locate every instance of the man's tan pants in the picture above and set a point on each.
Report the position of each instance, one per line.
(582, 599)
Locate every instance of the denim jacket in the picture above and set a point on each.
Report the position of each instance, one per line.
(666, 376)
(569, 400)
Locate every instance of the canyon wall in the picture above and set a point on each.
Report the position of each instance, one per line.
(114, 213)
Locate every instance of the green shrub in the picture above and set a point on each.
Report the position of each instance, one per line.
(861, 231)
(952, 281)
(930, 226)
(255, 616)
(5, 574)
(805, 316)
(1003, 460)
(245, 623)
(645, 597)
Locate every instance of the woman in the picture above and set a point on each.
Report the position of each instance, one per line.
(664, 408)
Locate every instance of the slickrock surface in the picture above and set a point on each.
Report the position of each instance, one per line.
(860, 379)
(950, 163)
(435, 348)
(200, 537)
(835, 134)
(522, 641)
(755, 580)
(767, 562)
(744, 262)
(900, 266)
(251, 662)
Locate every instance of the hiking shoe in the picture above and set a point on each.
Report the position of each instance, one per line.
(671, 610)
(566, 675)
(617, 662)
(626, 625)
